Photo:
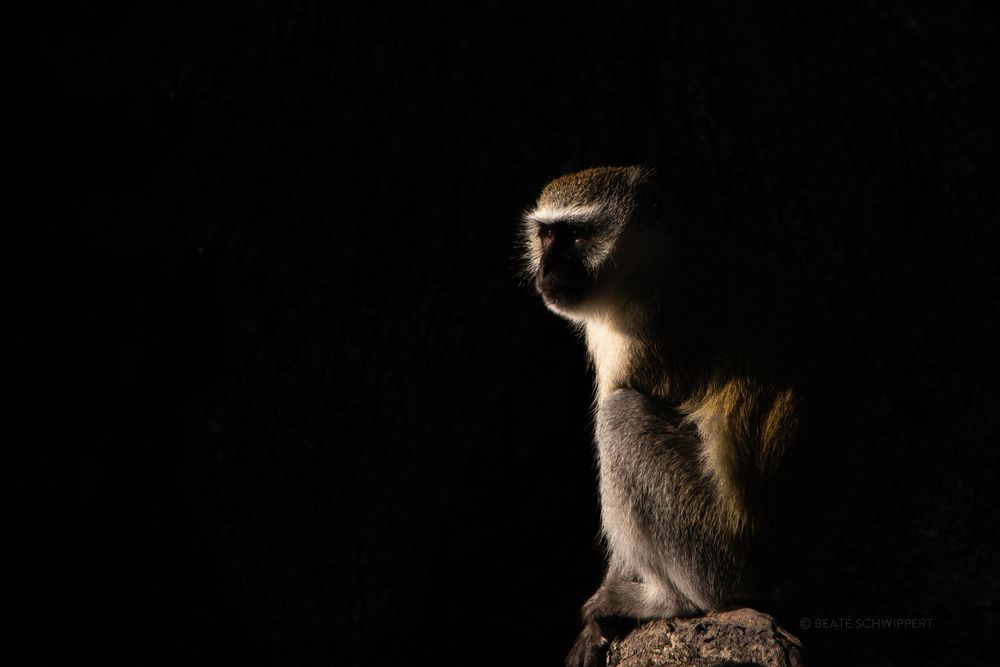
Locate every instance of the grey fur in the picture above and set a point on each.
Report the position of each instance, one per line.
(724, 438)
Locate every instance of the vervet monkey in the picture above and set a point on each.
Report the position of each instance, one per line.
(724, 414)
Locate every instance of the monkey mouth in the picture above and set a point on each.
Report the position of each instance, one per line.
(562, 293)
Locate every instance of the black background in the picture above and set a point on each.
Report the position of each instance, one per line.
(305, 413)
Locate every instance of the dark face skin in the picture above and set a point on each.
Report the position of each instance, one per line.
(563, 278)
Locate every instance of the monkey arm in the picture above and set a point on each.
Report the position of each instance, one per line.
(661, 512)
(645, 454)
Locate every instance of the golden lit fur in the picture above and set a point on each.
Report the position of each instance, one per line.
(723, 410)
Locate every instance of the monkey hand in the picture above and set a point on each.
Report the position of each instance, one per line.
(590, 647)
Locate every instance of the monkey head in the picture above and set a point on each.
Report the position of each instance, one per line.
(591, 235)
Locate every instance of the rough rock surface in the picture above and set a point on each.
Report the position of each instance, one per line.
(738, 637)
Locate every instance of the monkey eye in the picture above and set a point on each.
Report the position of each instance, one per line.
(560, 230)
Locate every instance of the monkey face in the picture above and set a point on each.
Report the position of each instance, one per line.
(580, 241)
(563, 276)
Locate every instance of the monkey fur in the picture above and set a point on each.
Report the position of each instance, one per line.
(723, 411)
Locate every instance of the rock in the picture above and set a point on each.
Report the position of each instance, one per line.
(738, 637)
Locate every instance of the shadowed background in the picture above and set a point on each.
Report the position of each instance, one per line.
(306, 412)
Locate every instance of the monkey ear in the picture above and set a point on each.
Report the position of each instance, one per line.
(650, 195)
(659, 202)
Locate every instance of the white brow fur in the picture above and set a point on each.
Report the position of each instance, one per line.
(545, 214)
